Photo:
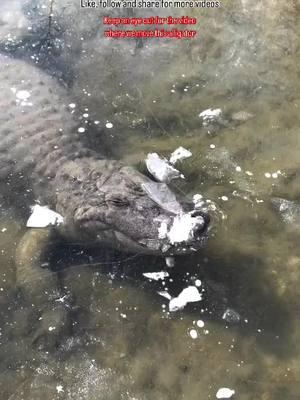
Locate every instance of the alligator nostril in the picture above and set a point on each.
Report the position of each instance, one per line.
(200, 228)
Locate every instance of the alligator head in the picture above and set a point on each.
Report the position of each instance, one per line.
(103, 201)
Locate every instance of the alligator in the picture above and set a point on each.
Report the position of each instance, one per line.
(44, 155)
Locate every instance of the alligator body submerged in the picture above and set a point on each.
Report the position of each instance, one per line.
(43, 156)
(101, 200)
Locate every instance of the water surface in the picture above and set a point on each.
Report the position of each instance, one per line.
(123, 343)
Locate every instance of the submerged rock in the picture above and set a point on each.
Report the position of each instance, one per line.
(288, 210)
(241, 116)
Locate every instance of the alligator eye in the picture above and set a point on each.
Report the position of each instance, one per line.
(118, 201)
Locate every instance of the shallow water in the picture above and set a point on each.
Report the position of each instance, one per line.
(122, 342)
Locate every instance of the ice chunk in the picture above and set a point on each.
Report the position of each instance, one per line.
(165, 294)
(156, 276)
(193, 334)
(161, 169)
(23, 95)
(42, 216)
(170, 262)
(210, 115)
(179, 154)
(188, 295)
(225, 393)
(163, 196)
(182, 229)
(163, 230)
(59, 388)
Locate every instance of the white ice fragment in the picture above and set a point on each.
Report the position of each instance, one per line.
(274, 175)
(225, 393)
(200, 323)
(109, 125)
(238, 168)
(51, 328)
(188, 295)
(198, 283)
(163, 230)
(197, 197)
(161, 169)
(42, 216)
(193, 334)
(165, 294)
(3, 230)
(170, 262)
(59, 388)
(72, 105)
(224, 198)
(183, 227)
(249, 173)
(22, 95)
(97, 122)
(81, 130)
(179, 154)
(212, 146)
(268, 175)
(210, 114)
(156, 276)
(85, 115)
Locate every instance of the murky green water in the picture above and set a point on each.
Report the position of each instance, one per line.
(121, 342)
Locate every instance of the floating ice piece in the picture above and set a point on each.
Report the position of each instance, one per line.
(182, 229)
(170, 262)
(109, 125)
(188, 295)
(59, 388)
(193, 334)
(156, 276)
(161, 169)
(179, 154)
(225, 393)
(163, 196)
(165, 294)
(197, 198)
(200, 323)
(210, 115)
(42, 216)
(22, 95)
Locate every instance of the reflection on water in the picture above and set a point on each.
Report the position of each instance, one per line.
(120, 341)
